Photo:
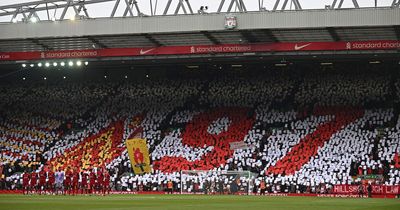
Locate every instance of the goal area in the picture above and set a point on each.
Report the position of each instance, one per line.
(217, 182)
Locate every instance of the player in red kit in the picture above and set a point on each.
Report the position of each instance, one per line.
(67, 182)
(106, 183)
(100, 180)
(75, 182)
(51, 181)
(33, 182)
(92, 182)
(25, 183)
(42, 181)
(84, 183)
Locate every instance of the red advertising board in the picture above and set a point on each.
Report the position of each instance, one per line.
(203, 49)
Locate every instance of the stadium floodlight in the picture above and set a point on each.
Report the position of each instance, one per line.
(70, 63)
(64, 77)
(45, 78)
(147, 76)
(23, 78)
(55, 64)
(32, 65)
(47, 64)
(105, 76)
(86, 63)
(62, 63)
(23, 65)
(126, 77)
(39, 64)
(34, 20)
(79, 63)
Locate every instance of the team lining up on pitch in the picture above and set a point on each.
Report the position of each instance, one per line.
(71, 182)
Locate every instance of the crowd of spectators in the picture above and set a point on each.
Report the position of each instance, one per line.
(293, 134)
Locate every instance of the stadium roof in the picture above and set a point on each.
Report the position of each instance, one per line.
(289, 26)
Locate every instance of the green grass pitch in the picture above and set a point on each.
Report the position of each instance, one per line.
(191, 202)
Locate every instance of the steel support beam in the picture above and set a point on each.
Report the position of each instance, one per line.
(276, 5)
(65, 9)
(395, 3)
(333, 34)
(27, 14)
(296, 4)
(46, 5)
(151, 8)
(79, 9)
(44, 46)
(238, 5)
(182, 4)
(129, 6)
(115, 8)
(167, 7)
(33, 13)
(210, 37)
(153, 40)
(221, 4)
(333, 6)
(28, 4)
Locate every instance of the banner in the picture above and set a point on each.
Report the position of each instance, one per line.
(376, 189)
(139, 155)
(239, 145)
(371, 176)
(202, 49)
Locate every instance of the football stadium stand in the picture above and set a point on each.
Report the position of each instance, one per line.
(231, 99)
(302, 132)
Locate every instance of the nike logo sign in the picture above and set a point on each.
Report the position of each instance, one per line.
(296, 47)
(142, 52)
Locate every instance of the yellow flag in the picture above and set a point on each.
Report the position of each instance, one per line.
(139, 155)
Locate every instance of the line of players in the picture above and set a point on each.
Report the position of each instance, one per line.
(69, 182)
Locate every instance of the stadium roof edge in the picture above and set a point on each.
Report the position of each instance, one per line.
(367, 17)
